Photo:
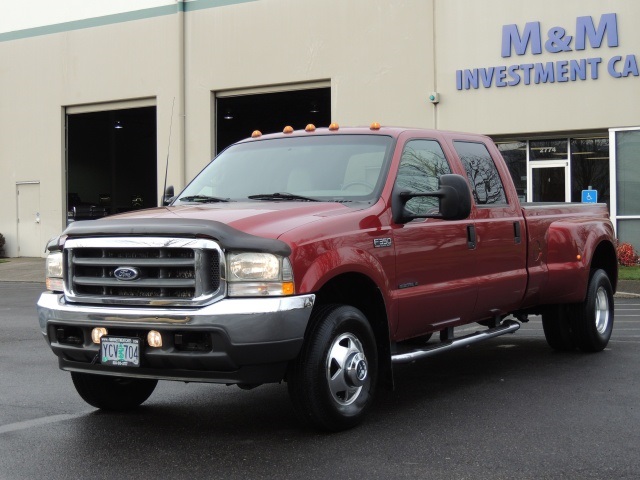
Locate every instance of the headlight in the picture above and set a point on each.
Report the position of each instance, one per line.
(252, 274)
(54, 272)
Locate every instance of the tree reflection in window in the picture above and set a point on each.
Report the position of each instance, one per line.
(483, 176)
(422, 164)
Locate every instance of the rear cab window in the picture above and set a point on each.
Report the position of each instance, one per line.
(485, 182)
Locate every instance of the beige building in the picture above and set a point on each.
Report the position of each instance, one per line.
(93, 106)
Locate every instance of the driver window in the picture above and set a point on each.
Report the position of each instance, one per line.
(422, 164)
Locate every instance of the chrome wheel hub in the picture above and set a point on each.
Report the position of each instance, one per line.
(602, 310)
(347, 368)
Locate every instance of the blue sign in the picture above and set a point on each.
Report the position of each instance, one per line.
(589, 196)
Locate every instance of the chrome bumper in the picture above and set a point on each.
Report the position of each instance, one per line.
(244, 335)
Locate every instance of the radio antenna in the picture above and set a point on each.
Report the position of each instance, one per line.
(166, 168)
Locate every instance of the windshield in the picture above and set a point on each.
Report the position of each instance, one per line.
(334, 168)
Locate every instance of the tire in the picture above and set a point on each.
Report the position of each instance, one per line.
(592, 320)
(332, 381)
(112, 393)
(557, 328)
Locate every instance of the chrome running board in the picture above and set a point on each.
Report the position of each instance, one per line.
(508, 326)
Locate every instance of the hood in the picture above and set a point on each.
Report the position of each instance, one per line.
(263, 219)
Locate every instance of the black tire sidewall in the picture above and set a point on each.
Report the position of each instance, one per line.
(556, 325)
(583, 322)
(112, 393)
(309, 382)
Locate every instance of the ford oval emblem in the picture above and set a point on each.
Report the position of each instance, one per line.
(126, 273)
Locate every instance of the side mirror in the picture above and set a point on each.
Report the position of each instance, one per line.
(168, 196)
(454, 200)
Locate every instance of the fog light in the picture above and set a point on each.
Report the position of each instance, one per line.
(96, 333)
(154, 339)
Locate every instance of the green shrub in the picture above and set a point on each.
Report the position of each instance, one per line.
(1, 245)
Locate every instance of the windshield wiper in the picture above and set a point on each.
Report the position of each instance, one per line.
(203, 199)
(281, 196)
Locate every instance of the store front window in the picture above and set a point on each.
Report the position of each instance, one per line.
(548, 150)
(515, 156)
(590, 167)
(627, 160)
(558, 169)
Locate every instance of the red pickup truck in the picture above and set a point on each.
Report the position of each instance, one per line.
(321, 258)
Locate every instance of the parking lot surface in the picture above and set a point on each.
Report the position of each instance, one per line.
(506, 408)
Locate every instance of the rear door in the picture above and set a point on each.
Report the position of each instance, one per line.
(435, 285)
(500, 253)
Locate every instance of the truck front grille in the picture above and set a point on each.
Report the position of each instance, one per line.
(143, 271)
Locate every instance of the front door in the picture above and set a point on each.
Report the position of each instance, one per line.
(435, 282)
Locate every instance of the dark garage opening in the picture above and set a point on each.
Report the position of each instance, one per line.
(111, 162)
(237, 117)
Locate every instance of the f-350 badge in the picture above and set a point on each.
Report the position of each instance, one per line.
(381, 242)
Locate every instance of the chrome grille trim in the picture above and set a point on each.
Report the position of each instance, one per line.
(180, 272)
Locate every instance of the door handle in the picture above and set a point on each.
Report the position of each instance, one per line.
(516, 233)
(471, 237)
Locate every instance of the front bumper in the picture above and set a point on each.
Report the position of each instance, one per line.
(231, 341)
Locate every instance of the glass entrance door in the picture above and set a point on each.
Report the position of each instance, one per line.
(549, 171)
(549, 183)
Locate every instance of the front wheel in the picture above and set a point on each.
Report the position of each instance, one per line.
(333, 379)
(592, 320)
(112, 393)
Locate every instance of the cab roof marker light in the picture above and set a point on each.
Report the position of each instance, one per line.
(375, 126)
(310, 128)
(334, 127)
(256, 134)
(288, 129)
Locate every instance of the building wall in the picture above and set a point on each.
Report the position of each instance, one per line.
(469, 35)
(381, 58)
(376, 55)
(42, 75)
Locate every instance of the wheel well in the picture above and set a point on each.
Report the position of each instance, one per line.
(605, 258)
(361, 292)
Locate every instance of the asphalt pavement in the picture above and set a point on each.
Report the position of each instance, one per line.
(28, 269)
(507, 408)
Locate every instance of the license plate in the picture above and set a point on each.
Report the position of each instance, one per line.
(120, 351)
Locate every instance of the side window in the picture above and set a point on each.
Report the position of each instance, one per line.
(483, 176)
(422, 163)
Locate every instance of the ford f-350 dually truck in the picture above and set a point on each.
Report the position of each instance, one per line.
(321, 258)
